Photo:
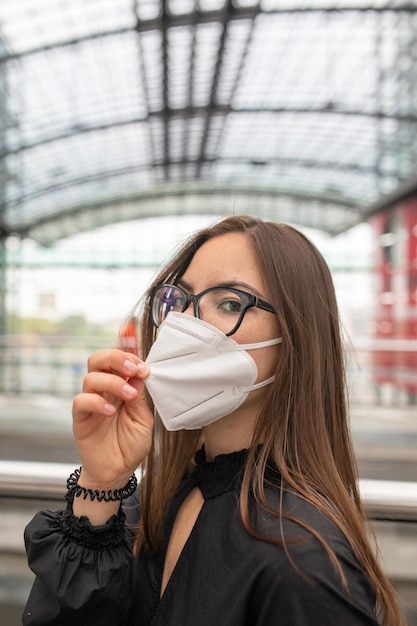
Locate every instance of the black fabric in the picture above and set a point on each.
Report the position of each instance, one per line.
(224, 577)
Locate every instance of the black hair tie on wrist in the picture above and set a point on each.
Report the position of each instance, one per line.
(116, 495)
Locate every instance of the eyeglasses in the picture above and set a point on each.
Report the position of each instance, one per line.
(221, 307)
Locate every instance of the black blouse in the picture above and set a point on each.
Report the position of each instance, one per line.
(224, 577)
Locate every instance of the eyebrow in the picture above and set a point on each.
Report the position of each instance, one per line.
(226, 285)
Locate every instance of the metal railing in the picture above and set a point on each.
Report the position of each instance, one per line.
(383, 499)
(52, 364)
(26, 487)
(33, 480)
(389, 499)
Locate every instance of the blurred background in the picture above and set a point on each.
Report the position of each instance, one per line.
(127, 125)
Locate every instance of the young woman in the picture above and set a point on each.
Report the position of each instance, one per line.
(248, 511)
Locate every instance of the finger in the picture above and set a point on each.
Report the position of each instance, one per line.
(138, 407)
(109, 384)
(114, 361)
(140, 388)
(89, 403)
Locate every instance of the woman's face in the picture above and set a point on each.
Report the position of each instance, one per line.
(230, 260)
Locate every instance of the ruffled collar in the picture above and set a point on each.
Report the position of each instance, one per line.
(219, 476)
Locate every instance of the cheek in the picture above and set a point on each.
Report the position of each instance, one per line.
(266, 360)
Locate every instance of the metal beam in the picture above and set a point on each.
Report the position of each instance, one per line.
(197, 188)
(320, 212)
(225, 15)
(193, 111)
(165, 86)
(204, 17)
(116, 173)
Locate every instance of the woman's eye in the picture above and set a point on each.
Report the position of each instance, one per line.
(231, 306)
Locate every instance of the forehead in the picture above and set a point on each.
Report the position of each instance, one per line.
(226, 259)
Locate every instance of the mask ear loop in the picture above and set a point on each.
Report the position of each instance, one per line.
(259, 385)
(256, 346)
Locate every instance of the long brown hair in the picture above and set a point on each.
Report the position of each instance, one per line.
(302, 423)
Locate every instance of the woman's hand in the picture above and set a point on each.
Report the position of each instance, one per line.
(112, 421)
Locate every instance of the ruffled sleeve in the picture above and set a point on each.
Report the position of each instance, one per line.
(83, 573)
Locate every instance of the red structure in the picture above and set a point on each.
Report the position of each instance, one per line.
(128, 336)
(395, 354)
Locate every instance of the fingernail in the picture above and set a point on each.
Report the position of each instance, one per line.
(129, 391)
(130, 367)
(109, 409)
(143, 368)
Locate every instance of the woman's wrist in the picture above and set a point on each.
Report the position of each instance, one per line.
(76, 488)
(95, 500)
(98, 513)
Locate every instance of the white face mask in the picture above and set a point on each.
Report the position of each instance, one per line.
(198, 374)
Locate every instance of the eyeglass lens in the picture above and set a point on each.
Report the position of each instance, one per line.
(219, 307)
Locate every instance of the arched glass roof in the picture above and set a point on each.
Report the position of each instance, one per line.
(113, 110)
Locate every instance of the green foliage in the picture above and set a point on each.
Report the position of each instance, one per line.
(71, 325)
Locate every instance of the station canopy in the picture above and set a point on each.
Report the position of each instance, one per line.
(114, 110)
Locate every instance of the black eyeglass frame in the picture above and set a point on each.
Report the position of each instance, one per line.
(248, 301)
